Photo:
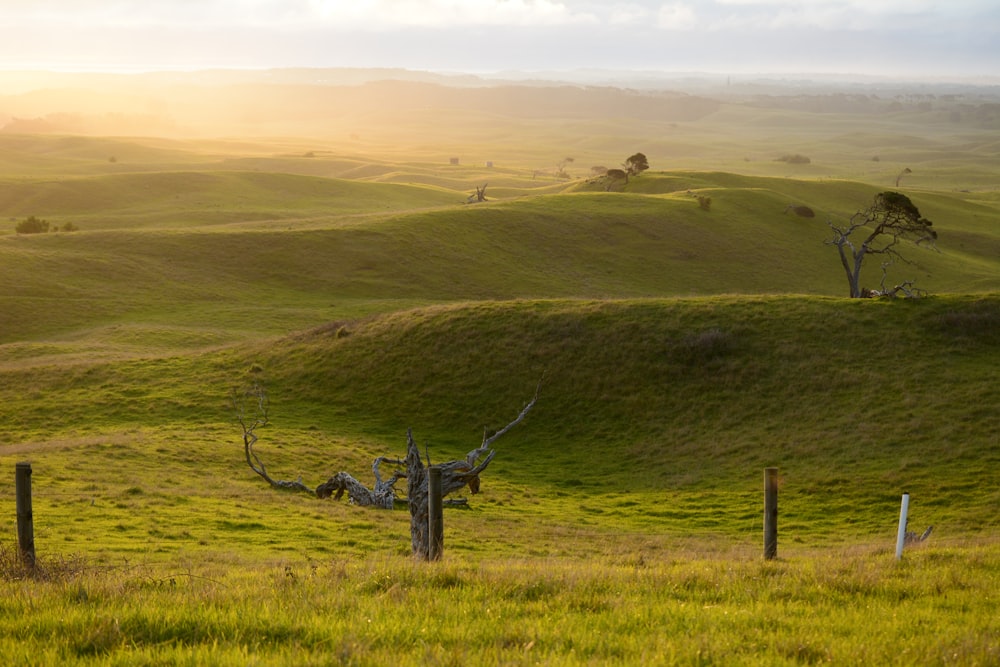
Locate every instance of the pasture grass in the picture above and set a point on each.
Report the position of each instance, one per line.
(678, 352)
(227, 283)
(654, 417)
(670, 605)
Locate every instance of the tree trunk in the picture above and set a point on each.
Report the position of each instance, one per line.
(416, 494)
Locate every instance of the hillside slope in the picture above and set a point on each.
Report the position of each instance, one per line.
(350, 250)
(653, 415)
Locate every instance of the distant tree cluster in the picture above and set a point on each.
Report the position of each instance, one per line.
(35, 225)
(632, 166)
(32, 225)
(794, 159)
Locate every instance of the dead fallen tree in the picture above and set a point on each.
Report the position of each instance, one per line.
(252, 408)
(252, 412)
(383, 494)
(479, 196)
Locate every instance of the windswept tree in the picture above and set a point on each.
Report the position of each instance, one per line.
(636, 164)
(890, 220)
(561, 167)
(901, 174)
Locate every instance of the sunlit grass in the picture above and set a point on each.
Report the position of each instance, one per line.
(674, 606)
(620, 523)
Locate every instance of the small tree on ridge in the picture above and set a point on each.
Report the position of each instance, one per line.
(636, 164)
(32, 225)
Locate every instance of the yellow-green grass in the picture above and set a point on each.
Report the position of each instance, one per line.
(655, 415)
(619, 524)
(669, 605)
(234, 282)
(192, 199)
(389, 124)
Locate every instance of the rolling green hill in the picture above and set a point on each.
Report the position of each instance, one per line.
(676, 351)
(658, 402)
(183, 199)
(233, 255)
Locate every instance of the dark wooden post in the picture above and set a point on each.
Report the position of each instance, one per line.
(770, 513)
(25, 526)
(435, 514)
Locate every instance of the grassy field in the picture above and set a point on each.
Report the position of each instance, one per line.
(680, 351)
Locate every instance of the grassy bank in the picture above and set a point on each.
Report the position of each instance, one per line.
(676, 607)
(654, 417)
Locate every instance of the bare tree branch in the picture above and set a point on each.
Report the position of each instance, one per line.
(490, 438)
(255, 399)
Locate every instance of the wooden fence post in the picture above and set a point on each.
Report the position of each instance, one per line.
(770, 513)
(435, 514)
(25, 525)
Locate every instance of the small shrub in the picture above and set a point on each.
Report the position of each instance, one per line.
(705, 347)
(13, 568)
(32, 225)
(704, 203)
(981, 324)
(794, 159)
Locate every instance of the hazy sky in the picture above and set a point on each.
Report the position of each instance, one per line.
(912, 37)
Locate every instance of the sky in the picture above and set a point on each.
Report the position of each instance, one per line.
(909, 38)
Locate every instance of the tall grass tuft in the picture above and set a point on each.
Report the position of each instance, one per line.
(54, 568)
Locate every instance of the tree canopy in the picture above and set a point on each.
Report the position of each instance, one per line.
(636, 164)
(32, 225)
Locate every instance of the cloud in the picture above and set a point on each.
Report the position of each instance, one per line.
(447, 13)
(365, 14)
(376, 15)
(676, 17)
(489, 35)
(855, 15)
(619, 14)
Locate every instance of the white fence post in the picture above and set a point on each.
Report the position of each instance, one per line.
(904, 507)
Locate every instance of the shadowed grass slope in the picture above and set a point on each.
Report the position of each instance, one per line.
(653, 414)
(683, 394)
